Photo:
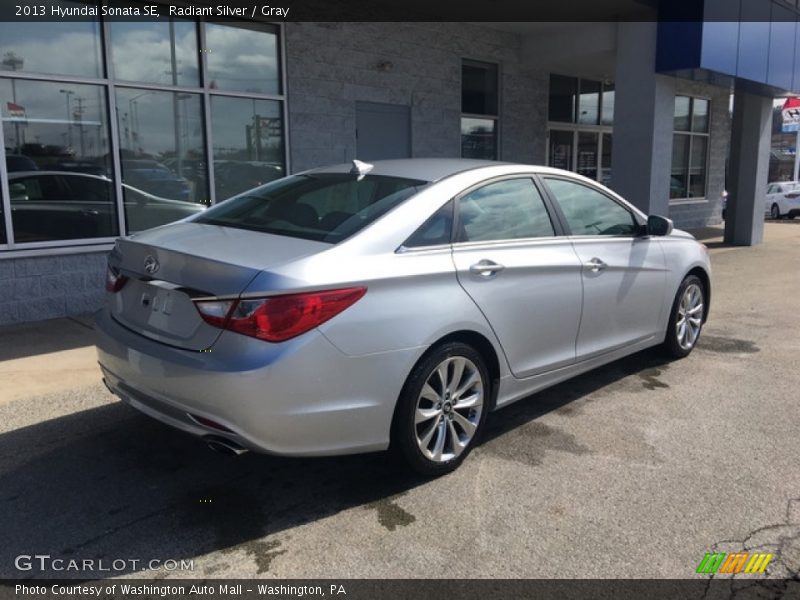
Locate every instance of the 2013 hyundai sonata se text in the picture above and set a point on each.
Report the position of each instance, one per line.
(361, 307)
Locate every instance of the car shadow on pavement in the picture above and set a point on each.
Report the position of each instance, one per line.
(45, 337)
(108, 483)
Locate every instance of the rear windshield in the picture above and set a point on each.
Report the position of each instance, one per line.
(326, 207)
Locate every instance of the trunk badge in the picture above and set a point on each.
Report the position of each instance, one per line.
(151, 264)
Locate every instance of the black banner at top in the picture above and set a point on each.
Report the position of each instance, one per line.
(392, 10)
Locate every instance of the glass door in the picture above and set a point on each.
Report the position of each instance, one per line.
(581, 150)
(561, 151)
(587, 154)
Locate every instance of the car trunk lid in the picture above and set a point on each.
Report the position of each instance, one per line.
(169, 266)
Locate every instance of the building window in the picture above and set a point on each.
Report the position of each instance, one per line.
(689, 148)
(243, 59)
(581, 114)
(58, 47)
(248, 143)
(479, 110)
(166, 52)
(57, 155)
(115, 143)
(581, 101)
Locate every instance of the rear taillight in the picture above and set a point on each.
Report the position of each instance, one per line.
(278, 318)
(792, 195)
(115, 280)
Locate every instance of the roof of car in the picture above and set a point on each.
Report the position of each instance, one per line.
(425, 169)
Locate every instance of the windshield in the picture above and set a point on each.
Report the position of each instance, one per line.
(326, 207)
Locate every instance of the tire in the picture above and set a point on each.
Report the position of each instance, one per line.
(690, 297)
(449, 424)
(775, 212)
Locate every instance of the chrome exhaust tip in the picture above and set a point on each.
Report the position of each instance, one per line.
(224, 446)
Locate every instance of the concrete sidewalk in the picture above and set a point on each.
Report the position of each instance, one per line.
(47, 356)
(633, 470)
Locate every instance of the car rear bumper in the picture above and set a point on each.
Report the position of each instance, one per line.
(299, 398)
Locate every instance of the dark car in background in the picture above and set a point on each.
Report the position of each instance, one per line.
(155, 178)
(233, 177)
(87, 167)
(18, 162)
(50, 205)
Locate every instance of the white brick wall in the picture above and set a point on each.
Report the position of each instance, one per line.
(46, 287)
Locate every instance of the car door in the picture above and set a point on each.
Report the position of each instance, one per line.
(92, 200)
(523, 276)
(38, 205)
(623, 272)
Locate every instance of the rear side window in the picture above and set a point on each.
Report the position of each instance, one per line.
(589, 212)
(436, 231)
(505, 210)
(325, 207)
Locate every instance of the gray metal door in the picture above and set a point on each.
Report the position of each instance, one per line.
(383, 131)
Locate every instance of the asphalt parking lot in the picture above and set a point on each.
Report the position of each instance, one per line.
(634, 470)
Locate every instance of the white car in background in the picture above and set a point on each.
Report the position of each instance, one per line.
(783, 200)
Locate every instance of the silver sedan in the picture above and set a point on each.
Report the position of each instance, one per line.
(362, 307)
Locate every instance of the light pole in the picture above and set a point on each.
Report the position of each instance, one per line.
(12, 62)
(67, 94)
(79, 117)
(133, 114)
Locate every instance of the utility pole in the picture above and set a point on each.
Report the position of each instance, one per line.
(14, 63)
(79, 117)
(68, 93)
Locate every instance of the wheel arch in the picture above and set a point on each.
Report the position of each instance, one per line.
(706, 280)
(482, 345)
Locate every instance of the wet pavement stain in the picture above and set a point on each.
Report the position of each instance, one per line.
(390, 514)
(528, 444)
(650, 379)
(263, 553)
(726, 345)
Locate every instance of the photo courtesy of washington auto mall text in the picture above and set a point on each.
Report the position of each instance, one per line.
(74, 591)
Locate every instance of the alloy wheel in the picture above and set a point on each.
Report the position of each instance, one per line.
(448, 409)
(690, 316)
(775, 213)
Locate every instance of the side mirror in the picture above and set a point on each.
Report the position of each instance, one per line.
(657, 225)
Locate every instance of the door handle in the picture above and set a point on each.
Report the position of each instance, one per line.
(595, 265)
(486, 268)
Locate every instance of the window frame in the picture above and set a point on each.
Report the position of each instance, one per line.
(691, 134)
(638, 219)
(488, 117)
(110, 83)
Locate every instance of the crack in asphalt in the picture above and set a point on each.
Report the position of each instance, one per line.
(782, 574)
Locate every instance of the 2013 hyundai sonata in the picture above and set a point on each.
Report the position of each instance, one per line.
(360, 307)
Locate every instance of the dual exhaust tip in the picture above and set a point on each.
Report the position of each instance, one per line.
(216, 443)
(224, 446)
